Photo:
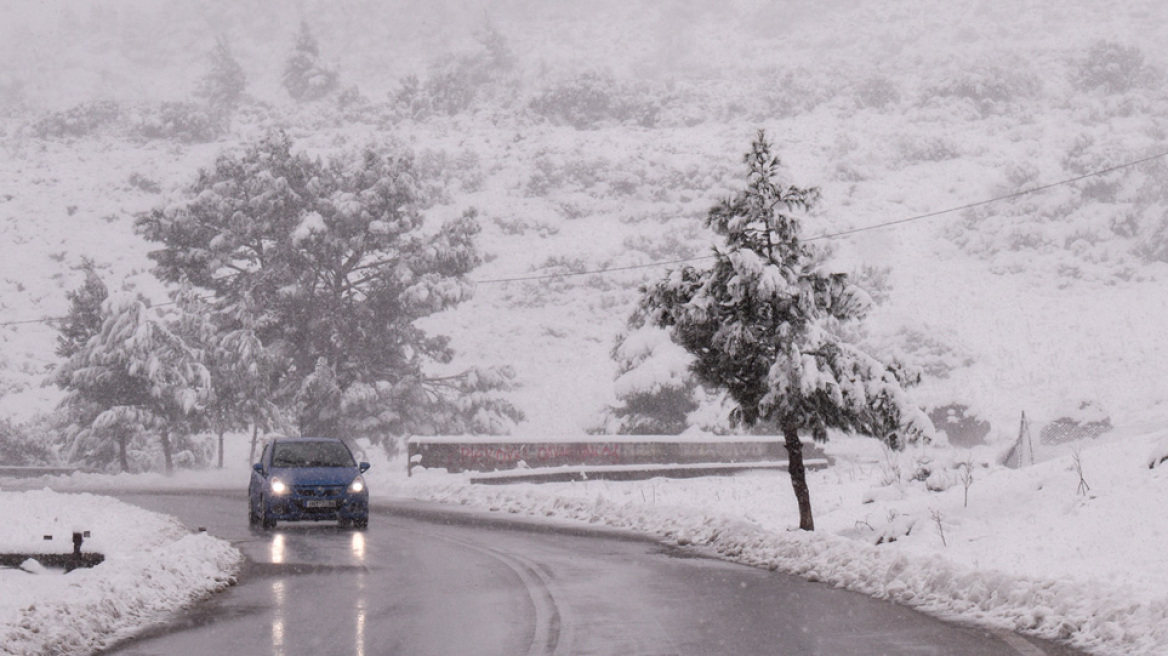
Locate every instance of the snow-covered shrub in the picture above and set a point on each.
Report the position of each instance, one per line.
(520, 226)
(306, 77)
(916, 148)
(79, 120)
(1086, 421)
(877, 92)
(553, 171)
(960, 424)
(989, 89)
(594, 98)
(875, 281)
(178, 121)
(787, 92)
(1114, 68)
(654, 388)
(668, 245)
(932, 352)
(20, 446)
(444, 169)
(143, 183)
(454, 83)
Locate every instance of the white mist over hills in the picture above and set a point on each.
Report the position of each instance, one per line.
(1039, 304)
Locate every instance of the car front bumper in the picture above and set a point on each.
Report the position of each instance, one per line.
(294, 508)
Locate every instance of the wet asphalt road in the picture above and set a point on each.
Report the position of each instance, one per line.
(427, 580)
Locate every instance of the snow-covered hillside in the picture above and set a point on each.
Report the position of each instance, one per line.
(1045, 304)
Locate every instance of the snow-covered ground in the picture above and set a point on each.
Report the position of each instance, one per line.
(153, 566)
(1057, 550)
(1041, 550)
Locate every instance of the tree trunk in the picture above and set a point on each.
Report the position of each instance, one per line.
(221, 431)
(166, 452)
(255, 431)
(798, 476)
(122, 459)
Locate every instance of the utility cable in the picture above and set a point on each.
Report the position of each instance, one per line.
(833, 235)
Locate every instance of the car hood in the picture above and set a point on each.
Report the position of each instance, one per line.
(315, 475)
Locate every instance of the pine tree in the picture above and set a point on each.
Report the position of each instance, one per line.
(135, 375)
(654, 387)
(224, 85)
(241, 369)
(329, 260)
(306, 78)
(319, 401)
(84, 318)
(760, 322)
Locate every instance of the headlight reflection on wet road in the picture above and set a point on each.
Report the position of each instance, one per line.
(357, 546)
(278, 549)
(279, 602)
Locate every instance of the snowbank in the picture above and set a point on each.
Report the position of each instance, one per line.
(1034, 551)
(153, 566)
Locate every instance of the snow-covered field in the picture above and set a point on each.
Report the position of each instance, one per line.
(153, 566)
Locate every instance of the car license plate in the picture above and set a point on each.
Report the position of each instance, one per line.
(318, 503)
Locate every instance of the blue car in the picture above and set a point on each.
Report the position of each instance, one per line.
(308, 479)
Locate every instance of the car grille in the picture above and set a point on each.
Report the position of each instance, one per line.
(319, 491)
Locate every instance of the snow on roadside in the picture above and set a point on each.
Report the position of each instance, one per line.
(153, 566)
(1031, 552)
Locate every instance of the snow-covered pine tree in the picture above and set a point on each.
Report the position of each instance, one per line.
(84, 317)
(318, 402)
(330, 260)
(306, 77)
(759, 323)
(224, 84)
(654, 387)
(136, 375)
(242, 370)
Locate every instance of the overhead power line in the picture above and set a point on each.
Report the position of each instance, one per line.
(833, 235)
(1016, 194)
(845, 233)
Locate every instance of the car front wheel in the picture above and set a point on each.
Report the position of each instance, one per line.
(265, 521)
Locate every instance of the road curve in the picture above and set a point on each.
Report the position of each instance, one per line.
(427, 579)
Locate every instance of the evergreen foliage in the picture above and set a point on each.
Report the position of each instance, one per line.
(84, 318)
(20, 447)
(654, 387)
(224, 85)
(242, 370)
(760, 321)
(329, 265)
(135, 376)
(306, 77)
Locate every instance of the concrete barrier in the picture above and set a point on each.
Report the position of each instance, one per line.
(627, 452)
(33, 472)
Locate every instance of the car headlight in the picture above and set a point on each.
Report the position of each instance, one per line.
(358, 485)
(278, 486)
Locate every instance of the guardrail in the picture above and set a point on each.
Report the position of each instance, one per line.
(33, 472)
(610, 456)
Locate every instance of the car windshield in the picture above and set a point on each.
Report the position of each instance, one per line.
(312, 454)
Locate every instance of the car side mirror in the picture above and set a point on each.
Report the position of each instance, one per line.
(364, 467)
(258, 467)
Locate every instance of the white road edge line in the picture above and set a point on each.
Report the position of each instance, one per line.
(549, 632)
